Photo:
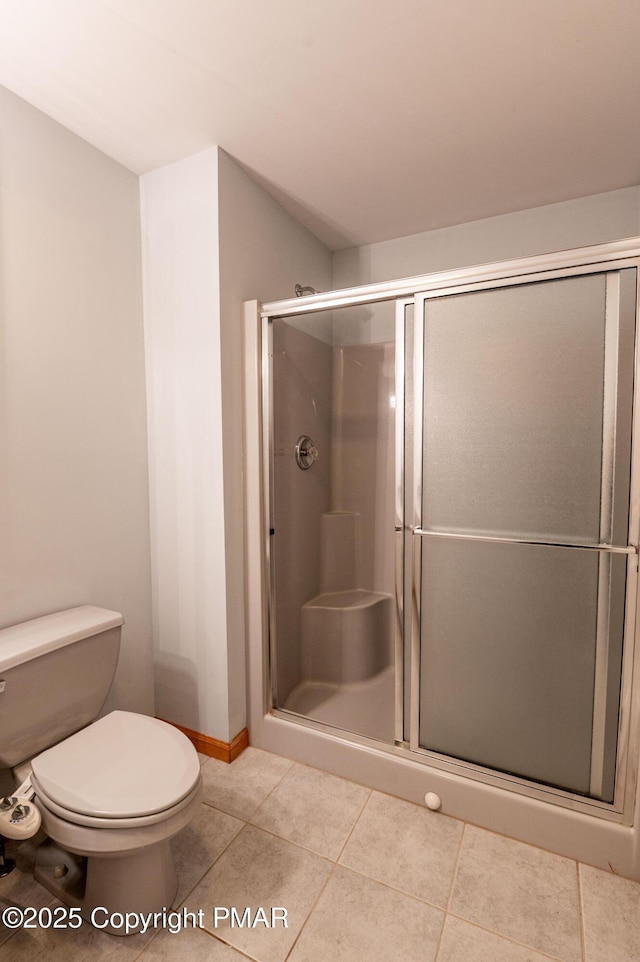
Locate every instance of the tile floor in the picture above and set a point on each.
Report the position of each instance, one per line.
(362, 876)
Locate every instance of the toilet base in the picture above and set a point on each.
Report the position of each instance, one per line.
(140, 883)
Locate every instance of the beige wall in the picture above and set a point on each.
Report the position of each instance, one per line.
(179, 210)
(211, 240)
(541, 230)
(73, 465)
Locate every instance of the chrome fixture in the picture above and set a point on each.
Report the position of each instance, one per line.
(306, 452)
(303, 291)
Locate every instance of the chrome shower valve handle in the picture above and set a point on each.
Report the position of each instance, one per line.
(306, 452)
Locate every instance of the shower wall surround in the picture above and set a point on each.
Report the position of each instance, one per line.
(305, 364)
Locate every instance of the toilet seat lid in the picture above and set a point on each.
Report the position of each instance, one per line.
(122, 766)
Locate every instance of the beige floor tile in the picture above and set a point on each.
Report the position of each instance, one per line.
(463, 942)
(519, 891)
(190, 945)
(510, 902)
(260, 870)
(611, 912)
(241, 787)
(405, 846)
(360, 920)
(313, 809)
(198, 845)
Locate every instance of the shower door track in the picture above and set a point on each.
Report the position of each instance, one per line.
(413, 291)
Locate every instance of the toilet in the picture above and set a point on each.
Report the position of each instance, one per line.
(112, 792)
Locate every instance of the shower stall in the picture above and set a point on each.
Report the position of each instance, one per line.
(442, 540)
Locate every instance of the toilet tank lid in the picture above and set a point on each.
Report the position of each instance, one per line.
(23, 642)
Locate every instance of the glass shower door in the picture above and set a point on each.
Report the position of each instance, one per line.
(522, 521)
(334, 623)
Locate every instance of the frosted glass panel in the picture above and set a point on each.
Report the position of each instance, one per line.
(513, 408)
(508, 657)
(526, 436)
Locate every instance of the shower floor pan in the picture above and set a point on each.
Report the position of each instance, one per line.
(365, 707)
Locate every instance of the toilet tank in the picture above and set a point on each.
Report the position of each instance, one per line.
(55, 674)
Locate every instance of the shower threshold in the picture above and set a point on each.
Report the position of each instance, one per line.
(363, 707)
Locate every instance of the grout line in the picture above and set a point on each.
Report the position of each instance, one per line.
(305, 848)
(287, 841)
(353, 827)
(583, 931)
(506, 938)
(329, 876)
(208, 869)
(230, 945)
(206, 933)
(272, 789)
(269, 793)
(485, 928)
(519, 841)
(392, 888)
(447, 909)
(311, 910)
(314, 851)
(223, 811)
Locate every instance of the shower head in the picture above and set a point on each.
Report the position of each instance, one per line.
(302, 291)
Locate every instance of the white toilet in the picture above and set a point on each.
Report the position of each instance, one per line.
(112, 792)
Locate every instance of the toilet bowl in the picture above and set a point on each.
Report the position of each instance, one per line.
(112, 793)
(115, 794)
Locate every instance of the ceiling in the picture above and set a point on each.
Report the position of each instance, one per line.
(367, 119)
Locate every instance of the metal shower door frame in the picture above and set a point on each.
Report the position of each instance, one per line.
(629, 718)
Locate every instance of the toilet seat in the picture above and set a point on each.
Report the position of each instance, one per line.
(123, 768)
(48, 807)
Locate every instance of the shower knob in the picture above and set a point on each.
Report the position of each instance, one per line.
(306, 452)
